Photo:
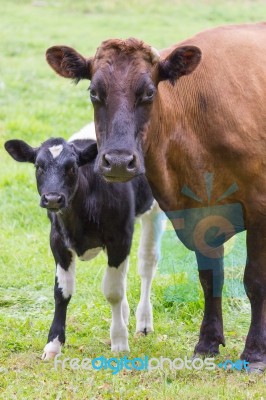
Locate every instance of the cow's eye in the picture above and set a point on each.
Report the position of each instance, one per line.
(94, 95)
(148, 95)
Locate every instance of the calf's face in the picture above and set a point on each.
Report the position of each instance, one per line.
(124, 78)
(57, 165)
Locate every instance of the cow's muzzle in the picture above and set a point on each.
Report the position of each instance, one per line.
(53, 201)
(117, 167)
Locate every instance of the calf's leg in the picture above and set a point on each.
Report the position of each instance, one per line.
(148, 257)
(114, 289)
(63, 290)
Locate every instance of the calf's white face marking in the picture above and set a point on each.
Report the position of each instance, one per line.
(56, 150)
(66, 278)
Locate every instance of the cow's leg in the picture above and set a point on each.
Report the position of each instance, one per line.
(255, 286)
(211, 276)
(148, 256)
(63, 290)
(114, 289)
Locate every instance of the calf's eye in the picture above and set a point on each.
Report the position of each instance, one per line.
(39, 169)
(71, 170)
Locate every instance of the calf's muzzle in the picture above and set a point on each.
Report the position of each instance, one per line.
(53, 201)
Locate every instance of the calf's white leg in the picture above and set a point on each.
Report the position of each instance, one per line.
(114, 289)
(148, 257)
(63, 290)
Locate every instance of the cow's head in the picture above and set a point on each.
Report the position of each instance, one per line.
(57, 163)
(124, 78)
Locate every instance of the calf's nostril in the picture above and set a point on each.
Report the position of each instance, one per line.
(45, 200)
(59, 199)
(52, 199)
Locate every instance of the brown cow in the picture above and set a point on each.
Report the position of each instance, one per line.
(189, 128)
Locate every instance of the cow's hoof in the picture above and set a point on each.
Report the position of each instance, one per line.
(256, 367)
(196, 355)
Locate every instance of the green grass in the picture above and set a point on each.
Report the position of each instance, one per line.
(36, 104)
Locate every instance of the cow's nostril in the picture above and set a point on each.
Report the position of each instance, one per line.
(107, 160)
(114, 164)
(132, 162)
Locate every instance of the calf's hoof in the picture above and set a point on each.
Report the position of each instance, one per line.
(48, 356)
(51, 350)
(144, 319)
(145, 329)
(119, 344)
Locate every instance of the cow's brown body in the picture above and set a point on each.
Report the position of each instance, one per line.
(213, 120)
(210, 121)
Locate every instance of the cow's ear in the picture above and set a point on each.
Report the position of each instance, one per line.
(21, 151)
(68, 63)
(88, 154)
(182, 61)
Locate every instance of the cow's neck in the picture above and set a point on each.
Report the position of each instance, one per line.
(171, 137)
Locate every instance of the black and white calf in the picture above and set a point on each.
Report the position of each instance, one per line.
(88, 215)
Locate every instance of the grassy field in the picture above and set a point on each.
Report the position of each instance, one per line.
(34, 105)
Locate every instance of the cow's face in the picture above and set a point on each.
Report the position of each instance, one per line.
(56, 162)
(124, 79)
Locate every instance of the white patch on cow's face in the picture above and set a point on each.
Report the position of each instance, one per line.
(66, 278)
(56, 150)
(90, 254)
(51, 349)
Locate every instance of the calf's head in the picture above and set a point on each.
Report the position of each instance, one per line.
(56, 162)
(124, 77)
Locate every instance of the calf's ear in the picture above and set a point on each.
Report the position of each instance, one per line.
(182, 61)
(88, 154)
(20, 151)
(68, 63)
